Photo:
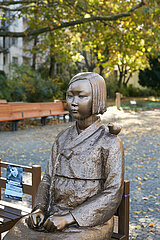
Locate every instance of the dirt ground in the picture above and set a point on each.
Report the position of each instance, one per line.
(141, 138)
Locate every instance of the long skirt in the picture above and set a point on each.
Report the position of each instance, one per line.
(21, 231)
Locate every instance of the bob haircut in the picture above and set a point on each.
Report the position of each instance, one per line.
(98, 86)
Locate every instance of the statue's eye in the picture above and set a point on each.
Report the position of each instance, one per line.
(81, 96)
(69, 96)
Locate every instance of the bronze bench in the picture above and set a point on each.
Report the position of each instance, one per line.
(11, 213)
(121, 218)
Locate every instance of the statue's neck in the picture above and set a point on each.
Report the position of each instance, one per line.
(85, 123)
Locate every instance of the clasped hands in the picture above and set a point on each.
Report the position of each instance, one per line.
(54, 222)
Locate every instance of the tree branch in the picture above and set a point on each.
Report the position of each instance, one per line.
(20, 8)
(61, 25)
(8, 3)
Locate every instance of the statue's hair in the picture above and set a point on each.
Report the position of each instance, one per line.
(98, 86)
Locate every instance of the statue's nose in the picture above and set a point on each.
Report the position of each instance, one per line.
(75, 102)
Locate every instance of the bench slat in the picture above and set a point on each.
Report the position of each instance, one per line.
(15, 211)
(18, 207)
(6, 215)
(117, 236)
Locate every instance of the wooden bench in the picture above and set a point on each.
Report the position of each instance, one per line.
(10, 213)
(21, 110)
(121, 218)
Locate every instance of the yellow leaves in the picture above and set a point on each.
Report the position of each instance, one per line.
(141, 183)
(44, 150)
(138, 212)
(149, 49)
(151, 225)
(138, 227)
(87, 15)
(128, 168)
(150, 209)
(142, 42)
(99, 55)
(77, 57)
(2, 152)
(150, 196)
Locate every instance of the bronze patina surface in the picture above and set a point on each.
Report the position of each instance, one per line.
(83, 182)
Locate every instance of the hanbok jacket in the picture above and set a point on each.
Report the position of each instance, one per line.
(84, 176)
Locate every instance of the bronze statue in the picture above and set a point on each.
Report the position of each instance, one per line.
(83, 182)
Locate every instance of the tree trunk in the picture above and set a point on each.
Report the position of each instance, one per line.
(127, 80)
(52, 63)
(34, 54)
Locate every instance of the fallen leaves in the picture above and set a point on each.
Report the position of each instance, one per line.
(150, 209)
(138, 227)
(151, 225)
(137, 212)
(128, 168)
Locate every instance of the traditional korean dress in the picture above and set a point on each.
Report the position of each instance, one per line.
(84, 177)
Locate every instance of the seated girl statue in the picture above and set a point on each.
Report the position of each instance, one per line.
(83, 182)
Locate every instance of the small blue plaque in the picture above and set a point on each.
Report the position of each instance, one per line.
(14, 182)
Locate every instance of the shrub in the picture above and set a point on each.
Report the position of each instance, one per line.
(5, 90)
(28, 85)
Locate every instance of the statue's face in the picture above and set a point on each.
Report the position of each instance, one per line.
(79, 99)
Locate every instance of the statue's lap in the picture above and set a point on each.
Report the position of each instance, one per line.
(21, 232)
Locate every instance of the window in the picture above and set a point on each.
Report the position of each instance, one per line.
(14, 41)
(15, 60)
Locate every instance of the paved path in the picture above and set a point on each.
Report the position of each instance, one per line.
(141, 137)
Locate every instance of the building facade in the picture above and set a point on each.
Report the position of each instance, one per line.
(11, 48)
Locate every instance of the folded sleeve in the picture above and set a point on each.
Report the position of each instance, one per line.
(43, 192)
(101, 207)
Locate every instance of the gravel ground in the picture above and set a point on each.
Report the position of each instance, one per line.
(141, 138)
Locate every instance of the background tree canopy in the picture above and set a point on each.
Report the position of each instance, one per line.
(86, 35)
(150, 76)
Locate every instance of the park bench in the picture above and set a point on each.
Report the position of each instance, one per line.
(121, 217)
(10, 213)
(15, 111)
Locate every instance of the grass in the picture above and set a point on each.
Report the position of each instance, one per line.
(140, 105)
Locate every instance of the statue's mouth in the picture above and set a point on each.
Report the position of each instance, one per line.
(74, 110)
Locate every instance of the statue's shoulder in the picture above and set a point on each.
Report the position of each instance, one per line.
(114, 129)
(111, 137)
